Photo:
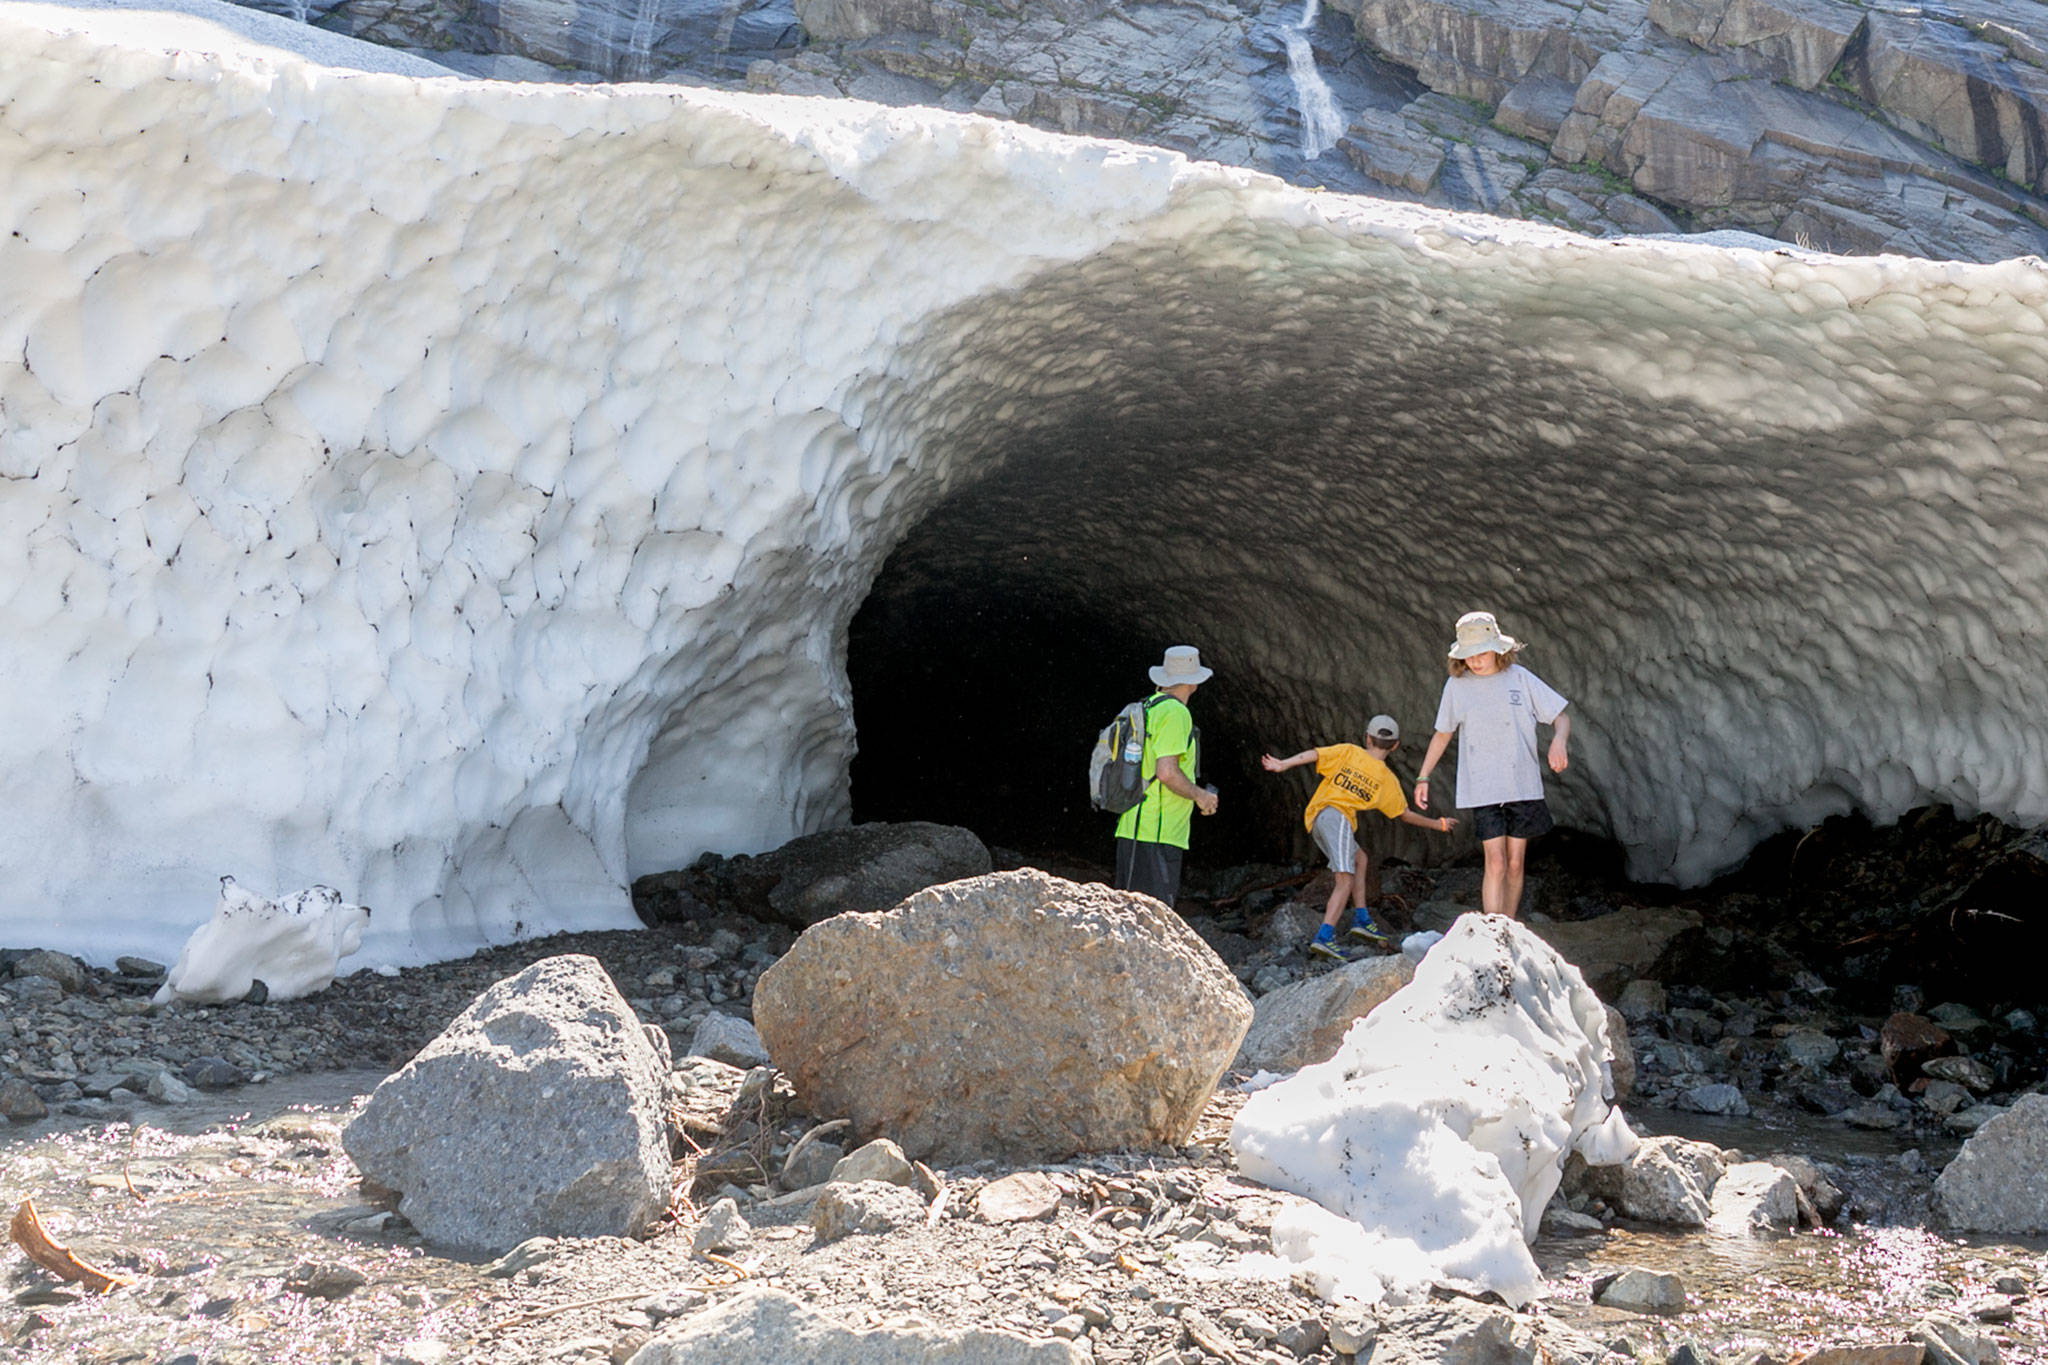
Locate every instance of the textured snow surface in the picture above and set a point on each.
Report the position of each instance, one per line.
(292, 945)
(457, 493)
(1439, 1130)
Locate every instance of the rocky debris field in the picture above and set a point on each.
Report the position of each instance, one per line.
(1836, 124)
(1847, 1097)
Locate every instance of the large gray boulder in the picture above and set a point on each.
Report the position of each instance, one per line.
(1016, 1016)
(1999, 1181)
(769, 1327)
(540, 1111)
(1303, 1023)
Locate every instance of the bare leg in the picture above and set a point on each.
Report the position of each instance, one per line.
(1368, 882)
(1511, 894)
(1339, 894)
(1493, 889)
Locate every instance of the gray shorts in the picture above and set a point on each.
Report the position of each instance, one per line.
(1337, 840)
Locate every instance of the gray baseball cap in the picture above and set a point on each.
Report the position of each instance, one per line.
(1383, 727)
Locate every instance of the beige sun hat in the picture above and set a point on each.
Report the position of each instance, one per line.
(1183, 664)
(1478, 632)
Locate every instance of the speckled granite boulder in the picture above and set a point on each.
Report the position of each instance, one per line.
(1016, 1016)
(539, 1111)
(1999, 1181)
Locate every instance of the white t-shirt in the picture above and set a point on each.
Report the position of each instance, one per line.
(1496, 717)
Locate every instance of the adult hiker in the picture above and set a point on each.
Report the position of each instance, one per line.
(1152, 836)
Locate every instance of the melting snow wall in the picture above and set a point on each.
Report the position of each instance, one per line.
(457, 493)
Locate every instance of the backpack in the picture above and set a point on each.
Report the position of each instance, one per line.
(1117, 779)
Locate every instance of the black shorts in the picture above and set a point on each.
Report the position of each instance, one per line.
(1515, 819)
(1148, 867)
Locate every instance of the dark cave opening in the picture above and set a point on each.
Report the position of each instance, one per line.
(977, 703)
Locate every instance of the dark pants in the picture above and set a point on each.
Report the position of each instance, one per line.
(1148, 867)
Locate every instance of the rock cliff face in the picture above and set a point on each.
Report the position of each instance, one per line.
(1837, 124)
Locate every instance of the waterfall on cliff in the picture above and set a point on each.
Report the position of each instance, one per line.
(640, 45)
(1322, 122)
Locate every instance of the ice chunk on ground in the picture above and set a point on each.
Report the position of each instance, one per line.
(1441, 1127)
(292, 945)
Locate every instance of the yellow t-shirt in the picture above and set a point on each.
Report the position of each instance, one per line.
(1353, 780)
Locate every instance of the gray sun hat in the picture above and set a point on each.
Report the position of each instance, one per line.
(1183, 664)
(1478, 632)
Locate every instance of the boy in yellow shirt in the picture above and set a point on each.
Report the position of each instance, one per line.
(1354, 779)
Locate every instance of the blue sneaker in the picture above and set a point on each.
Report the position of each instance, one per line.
(1324, 944)
(1362, 927)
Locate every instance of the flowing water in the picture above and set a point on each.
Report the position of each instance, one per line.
(1322, 121)
(640, 45)
(209, 1208)
(1866, 1285)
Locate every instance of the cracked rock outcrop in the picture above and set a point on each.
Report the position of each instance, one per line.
(459, 493)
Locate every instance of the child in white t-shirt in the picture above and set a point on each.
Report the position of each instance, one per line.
(1494, 705)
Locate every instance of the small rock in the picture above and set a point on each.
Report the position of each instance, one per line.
(1809, 1048)
(1911, 1354)
(1019, 1198)
(1964, 1071)
(1641, 1291)
(1909, 1041)
(1717, 1098)
(35, 990)
(870, 1206)
(1689, 1353)
(19, 1102)
(324, 1279)
(67, 971)
(1247, 1323)
(1990, 1308)
(1352, 1335)
(726, 1039)
(1967, 1121)
(1754, 1198)
(813, 1166)
(1304, 1338)
(1642, 999)
(878, 1160)
(671, 1303)
(165, 1088)
(1877, 1117)
(1949, 1340)
(214, 1073)
(723, 1229)
(1562, 1222)
(531, 1252)
(139, 966)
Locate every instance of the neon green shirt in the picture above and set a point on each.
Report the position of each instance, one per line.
(1162, 817)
